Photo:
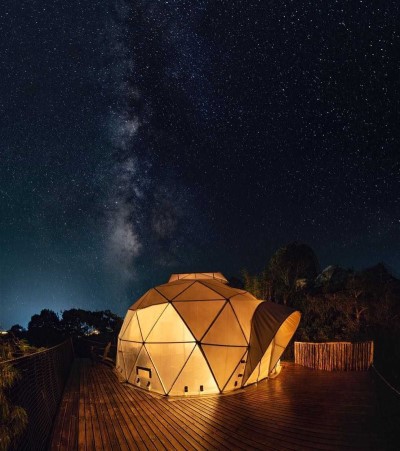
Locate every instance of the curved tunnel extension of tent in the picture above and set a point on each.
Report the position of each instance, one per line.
(197, 335)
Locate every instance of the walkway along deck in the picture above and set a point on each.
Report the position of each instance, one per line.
(301, 409)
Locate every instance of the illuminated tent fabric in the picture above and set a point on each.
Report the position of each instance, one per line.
(196, 335)
(199, 275)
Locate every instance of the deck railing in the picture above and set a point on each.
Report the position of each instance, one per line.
(335, 356)
(42, 377)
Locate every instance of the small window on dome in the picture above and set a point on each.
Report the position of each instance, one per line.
(143, 372)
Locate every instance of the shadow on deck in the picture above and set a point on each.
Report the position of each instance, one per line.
(301, 409)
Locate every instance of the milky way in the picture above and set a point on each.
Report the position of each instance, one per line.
(149, 137)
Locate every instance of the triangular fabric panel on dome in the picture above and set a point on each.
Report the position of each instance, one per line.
(152, 297)
(225, 330)
(236, 379)
(224, 290)
(244, 310)
(198, 315)
(132, 332)
(130, 352)
(244, 296)
(170, 328)
(171, 290)
(196, 377)
(198, 292)
(148, 317)
(223, 360)
(169, 359)
(144, 374)
(126, 322)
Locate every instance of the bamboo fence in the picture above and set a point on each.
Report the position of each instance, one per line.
(335, 356)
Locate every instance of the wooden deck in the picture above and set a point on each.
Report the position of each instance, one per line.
(302, 409)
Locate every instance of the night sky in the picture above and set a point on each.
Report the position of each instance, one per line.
(143, 138)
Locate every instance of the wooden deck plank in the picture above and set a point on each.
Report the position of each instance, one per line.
(163, 412)
(216, 430)
(112, 414)
(73, 429)
(301, 409)
(190, 435)
(100, 405)
(64, 434)
(135, 433)
(163, 428)
(82, 426)
(250, 427)
(232, 429)
(89, 432)
(149, 437)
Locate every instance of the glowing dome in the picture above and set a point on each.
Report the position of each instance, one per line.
(196, 335)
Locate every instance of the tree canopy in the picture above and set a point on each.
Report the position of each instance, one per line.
(337, 304)
(47, 328)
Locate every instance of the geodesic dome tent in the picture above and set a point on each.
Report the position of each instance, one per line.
(197, 335)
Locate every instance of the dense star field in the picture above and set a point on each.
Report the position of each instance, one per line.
(141, 138)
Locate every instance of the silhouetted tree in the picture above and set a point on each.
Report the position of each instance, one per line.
(235, 282)
(79, 323)
(289, 264)
(18, 331)
(44, 329)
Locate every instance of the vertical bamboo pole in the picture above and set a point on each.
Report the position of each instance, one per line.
(335, 356)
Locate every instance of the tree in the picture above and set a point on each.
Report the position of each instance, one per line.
(13, 419)
(79, 322)
(17, 329)
(74, 322)
(289, 264)
(44, 329)
(235, 282)
(258, 285)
